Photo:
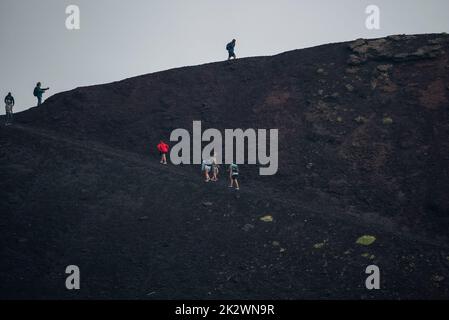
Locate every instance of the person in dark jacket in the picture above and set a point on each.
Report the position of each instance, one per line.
(38, 92)
(9, 104)
(230, 47)
(233, 176)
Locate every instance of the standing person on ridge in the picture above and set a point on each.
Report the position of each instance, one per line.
(230, 47)
(9, 103)
(38, 92)
(163, 148)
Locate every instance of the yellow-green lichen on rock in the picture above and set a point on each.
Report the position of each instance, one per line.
(366, 240)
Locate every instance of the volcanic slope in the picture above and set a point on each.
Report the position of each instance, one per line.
(363, 145)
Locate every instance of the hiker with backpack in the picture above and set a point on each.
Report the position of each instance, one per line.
(206, 168)
(215, 168)
(38, 92)
(233, 175)
(9, 103)
(230, 47)
(163, 148)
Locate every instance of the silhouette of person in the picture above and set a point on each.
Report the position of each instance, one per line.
(230, 47)
(9, 104)
(38, 92)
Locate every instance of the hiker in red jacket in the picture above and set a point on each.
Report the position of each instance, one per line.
(163, 150)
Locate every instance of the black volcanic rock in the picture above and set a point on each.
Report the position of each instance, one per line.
(395, 48)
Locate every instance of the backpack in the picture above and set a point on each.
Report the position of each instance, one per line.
(162, 147)
(229, 46)
(35, 92)
(234, 169)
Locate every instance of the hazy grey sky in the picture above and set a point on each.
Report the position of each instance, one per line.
(119, 39)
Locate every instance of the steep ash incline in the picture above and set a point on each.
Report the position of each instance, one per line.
(363, 124)
(137, 230)
(363, 149)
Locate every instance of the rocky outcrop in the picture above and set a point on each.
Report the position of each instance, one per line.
(394, 49)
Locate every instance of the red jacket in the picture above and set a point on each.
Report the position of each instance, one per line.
(162, 147)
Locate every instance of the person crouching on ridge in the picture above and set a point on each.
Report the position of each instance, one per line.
(163, 148)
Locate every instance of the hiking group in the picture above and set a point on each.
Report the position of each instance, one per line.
(209, 167)
(10, 102)
(39, 91)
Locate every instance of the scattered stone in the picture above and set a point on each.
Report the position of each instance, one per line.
(426, 52)
(309, 165)
(143, 218)
(352, 70)
(333, 97)
(357, 43)
(366, 240)
(384, 67)
(437, 278)
(360, 119)
(207, 203)
(267, 218)
(354, 60)
(349, 87)
(368, 256)
(319, 245)
(339, 119)
(395, 37)
(22, 240)
(320, 70)
(247, 227)
(276, 243)
(387, 120)
(437, 41)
